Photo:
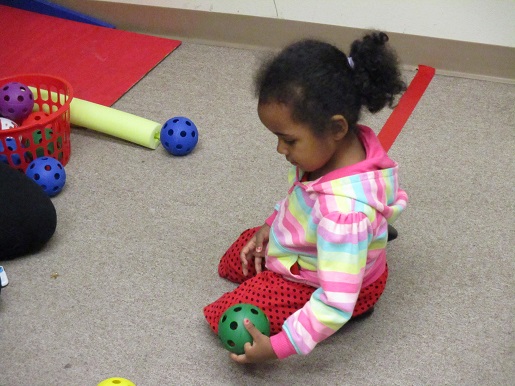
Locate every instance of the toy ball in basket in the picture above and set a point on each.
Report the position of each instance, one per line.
(6, 124)
(16, 101)
(44, 129)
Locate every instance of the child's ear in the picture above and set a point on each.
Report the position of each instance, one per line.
(340, 126)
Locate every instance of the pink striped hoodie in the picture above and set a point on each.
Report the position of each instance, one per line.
(335, 228)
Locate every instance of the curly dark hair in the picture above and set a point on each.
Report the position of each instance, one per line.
(316, 81)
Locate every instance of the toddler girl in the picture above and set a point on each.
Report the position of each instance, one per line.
(320, 258)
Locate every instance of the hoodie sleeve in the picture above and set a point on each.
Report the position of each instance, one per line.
(342, 245)
(271, 218)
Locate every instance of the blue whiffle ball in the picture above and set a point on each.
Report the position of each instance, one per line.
(179, 136)
(48, 173)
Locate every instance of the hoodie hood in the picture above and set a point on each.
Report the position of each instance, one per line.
(370, 183)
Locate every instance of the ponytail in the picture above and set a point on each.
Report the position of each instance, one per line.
(376, 73)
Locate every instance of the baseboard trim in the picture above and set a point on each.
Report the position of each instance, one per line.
(448, 57)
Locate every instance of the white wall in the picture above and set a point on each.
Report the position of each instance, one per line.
(478, 21)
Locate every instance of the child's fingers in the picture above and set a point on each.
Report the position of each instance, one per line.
(258, 262)
(245, 257)
(253, 331)
(244, 263)
(244, 269)
(259, 242)
(239, 358)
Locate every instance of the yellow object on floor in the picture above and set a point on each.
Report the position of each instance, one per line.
(116, 382)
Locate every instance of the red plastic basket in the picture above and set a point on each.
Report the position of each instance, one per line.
(48, 137)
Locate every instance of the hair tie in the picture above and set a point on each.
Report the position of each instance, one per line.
(351, 62)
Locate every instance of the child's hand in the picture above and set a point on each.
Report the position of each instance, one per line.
(255, 250)
(258, 351)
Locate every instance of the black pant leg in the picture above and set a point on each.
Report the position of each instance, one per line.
(27, 215)
(392, 233)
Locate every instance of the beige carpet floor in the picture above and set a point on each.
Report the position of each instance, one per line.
(140, 234)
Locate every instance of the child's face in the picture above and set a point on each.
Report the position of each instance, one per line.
(296, 141)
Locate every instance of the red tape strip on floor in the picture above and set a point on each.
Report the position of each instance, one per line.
(405, 107)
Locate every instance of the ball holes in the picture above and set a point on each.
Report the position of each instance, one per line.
(48, 168)
(37, 177)
(254, 311)
(183, 134)
(178, 147)
(170, 132)
(231, 343)
(175, 120)
(193, 134)
(224, 318)
(237, 309)
(233, 325)
(6, 98)
(57, 176)
(20, 98)
(188, 123)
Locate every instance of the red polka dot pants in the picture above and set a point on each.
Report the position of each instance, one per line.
(277, 297)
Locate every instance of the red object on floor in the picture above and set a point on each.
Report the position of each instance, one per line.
(100, 63)
(405, 107)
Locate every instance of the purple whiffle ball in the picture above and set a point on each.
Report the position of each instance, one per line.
(16, 101)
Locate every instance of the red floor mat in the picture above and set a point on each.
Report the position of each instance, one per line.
(100, 63)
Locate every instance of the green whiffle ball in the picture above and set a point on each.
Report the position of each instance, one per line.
(37, 135)
(232, 331)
